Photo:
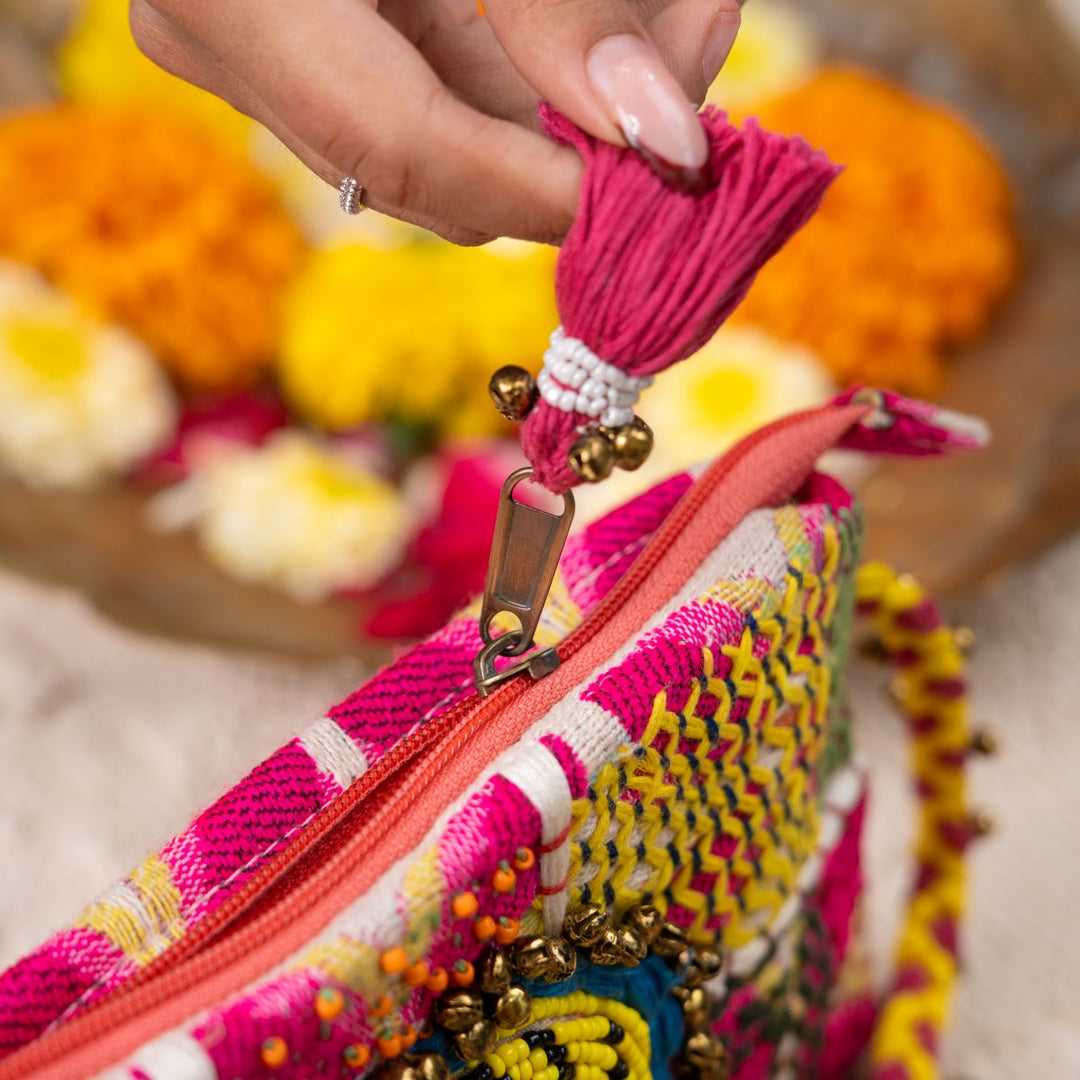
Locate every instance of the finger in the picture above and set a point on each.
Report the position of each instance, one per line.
(594, 60)
(694, 38)
(469, 60)
(363, 99)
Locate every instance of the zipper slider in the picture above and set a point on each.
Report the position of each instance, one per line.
(525, 553)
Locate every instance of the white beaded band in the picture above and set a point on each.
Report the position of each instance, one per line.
(575, 379)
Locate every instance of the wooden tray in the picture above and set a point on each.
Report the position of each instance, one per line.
(1009, 66)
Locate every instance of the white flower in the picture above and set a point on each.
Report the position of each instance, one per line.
(778, 49)
(743, 378)
(298, 514)
(79, 401)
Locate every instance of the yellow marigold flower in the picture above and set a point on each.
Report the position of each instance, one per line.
(99, 61)
(413, 333)
(155, 224)
(295, 514)
(777, 50)
(740, 380)
(79, 401)
(912, 247)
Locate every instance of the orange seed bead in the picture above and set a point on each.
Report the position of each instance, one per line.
(356, 1056)
(464, 973)
(416, 973)
(274, 1052)
(504, 878)
(464, 905)
(329, 1003)
(437, 981)
(393, 961)
(389, 1045)
(409, 1037)
(506, 931)
(381, 1007)
(484, 928)
(524, 858)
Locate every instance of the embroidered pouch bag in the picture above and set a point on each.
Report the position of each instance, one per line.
(638, 864)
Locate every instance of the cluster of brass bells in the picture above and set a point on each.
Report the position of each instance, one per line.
(704, 1055)
(641, 929)
(474, 1016)
(597, 451)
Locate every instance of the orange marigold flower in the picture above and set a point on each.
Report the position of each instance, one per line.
(912, 247)
(157, 226)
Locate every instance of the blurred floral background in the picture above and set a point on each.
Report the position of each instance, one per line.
(220, 365)
(231, 414)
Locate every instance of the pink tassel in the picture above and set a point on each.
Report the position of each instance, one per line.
(648, 273)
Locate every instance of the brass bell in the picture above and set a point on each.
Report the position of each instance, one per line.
(458, 1010)
(621, 946)
(431, 1067)
(399, 1068)
(513, 1009)
(670, 942)
(514, 391)
(645, 920)
(529, 956)
(586, 925)
(633, 443)
(708, 1054)
(695, 1003)
(982, 823)
(562, 960)
(479, 1040)
(704, 964)
(872, 648)
(592, 457)
(984, 741)
(964, 639)
(493, 972)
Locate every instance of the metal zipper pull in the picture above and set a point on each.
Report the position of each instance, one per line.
(524, 556)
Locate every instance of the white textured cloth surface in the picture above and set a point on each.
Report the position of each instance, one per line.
(111, 740)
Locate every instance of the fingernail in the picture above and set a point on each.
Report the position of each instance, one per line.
(648, 104)
(718, 44)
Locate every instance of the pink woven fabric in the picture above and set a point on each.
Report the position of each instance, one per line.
(647, 274)
(231, 839)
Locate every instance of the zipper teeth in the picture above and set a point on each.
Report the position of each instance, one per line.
(182, 964)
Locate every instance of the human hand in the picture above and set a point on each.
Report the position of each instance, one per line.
(432, 107)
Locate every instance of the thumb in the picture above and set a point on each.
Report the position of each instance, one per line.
(594, 61)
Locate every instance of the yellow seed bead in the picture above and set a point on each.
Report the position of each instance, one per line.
(497, 1065)
(538, 1059)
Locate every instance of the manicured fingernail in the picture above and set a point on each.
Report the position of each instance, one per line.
(648, 104)
(718, 44)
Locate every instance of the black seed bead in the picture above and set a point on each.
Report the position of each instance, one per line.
(481, 1072)
(556, 1055)
(619, 1071)
(615, 1034)
(540, 1037)
(566, 1071)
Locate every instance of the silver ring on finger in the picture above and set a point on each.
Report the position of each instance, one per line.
(351, 195)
